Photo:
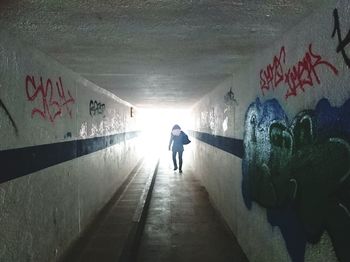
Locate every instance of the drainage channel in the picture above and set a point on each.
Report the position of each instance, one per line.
(116, 232)
(129, 253)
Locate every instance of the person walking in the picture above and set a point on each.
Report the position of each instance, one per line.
(178, 138)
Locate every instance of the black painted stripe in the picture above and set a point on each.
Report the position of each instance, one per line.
(231, 145)
(19, 162)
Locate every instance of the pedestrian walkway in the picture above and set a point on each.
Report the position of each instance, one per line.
(182, 225)
(158, 215)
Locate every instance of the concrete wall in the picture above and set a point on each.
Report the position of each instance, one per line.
(65, 147)
(276, 158)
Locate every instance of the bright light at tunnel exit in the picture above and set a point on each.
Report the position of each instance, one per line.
(157, 125)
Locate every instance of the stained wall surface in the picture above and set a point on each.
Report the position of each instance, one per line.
(274, 154)
(65, 147)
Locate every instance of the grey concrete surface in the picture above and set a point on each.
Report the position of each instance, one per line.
(169, 52)
(182, 225)
(108, 236)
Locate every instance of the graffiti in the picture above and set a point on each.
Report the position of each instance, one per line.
(2, 105)
(301, 75)
(68, 135)
(212, 119)
(96, 108)
(273, 75)
(229, 98)
(299, 170)
(55, 100)
(342, 43)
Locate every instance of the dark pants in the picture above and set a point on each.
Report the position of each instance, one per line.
(180, 159)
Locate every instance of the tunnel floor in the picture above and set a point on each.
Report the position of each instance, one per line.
(179, 224)
(182, 225)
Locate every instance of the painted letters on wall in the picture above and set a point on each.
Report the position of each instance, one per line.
(96, 108)
(298, 77)
(54, 99)
(299, 170)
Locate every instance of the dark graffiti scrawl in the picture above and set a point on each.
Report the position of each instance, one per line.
(299, 170)
(342, 43)
(54, 99)
(96, 108)
(3, 107)
(301, 75)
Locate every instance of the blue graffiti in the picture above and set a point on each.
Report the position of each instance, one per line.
(299, 171)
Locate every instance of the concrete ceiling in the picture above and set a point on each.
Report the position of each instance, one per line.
(152, 52)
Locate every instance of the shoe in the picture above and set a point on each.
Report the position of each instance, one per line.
(175, 168)
(180, 171)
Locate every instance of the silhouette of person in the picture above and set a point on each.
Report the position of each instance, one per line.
(178, 148)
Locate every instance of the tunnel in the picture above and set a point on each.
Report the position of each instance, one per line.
(174, 130)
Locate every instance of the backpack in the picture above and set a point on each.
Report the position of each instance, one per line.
(185, 140)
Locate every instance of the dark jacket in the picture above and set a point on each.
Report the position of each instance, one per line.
(177, 142)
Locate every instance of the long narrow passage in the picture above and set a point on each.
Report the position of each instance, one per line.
(182, 225)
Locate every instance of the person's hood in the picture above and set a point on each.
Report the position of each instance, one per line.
(176, 132)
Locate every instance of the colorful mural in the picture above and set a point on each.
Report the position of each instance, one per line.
(299, 170)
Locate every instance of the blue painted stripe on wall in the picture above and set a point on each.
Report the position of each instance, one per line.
(231, 145)
(19, 162)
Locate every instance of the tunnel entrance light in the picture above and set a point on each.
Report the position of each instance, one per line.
(156, 127)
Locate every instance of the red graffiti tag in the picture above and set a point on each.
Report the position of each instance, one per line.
(304, 72)
(273, 75)
(301, 75)
(54, 99)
